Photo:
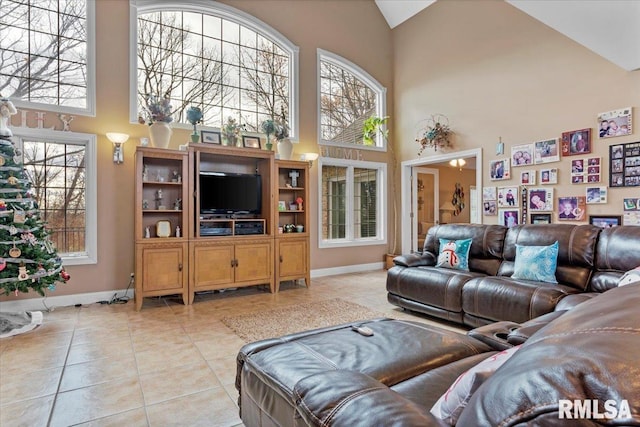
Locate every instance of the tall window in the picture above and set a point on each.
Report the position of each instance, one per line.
(217, 58)
(351, 207)
(61, 168)
(348, 96)
(46, 54)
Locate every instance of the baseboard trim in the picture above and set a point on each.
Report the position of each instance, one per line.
(33, 304)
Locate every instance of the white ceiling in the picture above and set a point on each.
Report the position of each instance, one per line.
(610, 28)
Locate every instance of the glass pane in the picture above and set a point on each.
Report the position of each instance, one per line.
(334, 203)
(364, 202)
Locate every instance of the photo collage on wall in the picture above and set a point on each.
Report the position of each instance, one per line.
(586, 170)
(624, 168)
(489, 201)
(509, 204)
(631, 212)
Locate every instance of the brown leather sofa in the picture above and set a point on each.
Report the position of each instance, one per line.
(337, 377)
(590, 260)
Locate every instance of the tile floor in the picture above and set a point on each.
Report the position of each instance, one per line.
(167, 365)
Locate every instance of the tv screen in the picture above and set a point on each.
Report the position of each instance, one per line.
(225, 193)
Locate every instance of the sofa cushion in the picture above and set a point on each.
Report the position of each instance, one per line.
(576, 252)
(617, 252)
(536, 263)
(454, 254)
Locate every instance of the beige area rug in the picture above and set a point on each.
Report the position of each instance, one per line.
(297, 318)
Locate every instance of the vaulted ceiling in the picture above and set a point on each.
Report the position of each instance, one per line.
(610, 28)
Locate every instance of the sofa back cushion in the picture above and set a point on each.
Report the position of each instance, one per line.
(617, 252)
(576, 254)
(485, 254)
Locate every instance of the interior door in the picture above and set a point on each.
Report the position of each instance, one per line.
(424, 204)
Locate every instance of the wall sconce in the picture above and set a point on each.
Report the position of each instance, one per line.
(458, 163)
(118, 139)
(309, 157)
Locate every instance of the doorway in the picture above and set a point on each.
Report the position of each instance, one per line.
(408, 197)
(424, 202)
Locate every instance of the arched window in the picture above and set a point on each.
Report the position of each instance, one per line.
(206, 54)
(347, 96)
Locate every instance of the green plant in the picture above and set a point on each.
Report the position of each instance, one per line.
(371, 127)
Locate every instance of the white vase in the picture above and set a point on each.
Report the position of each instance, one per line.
(160, 133)
(285, 149)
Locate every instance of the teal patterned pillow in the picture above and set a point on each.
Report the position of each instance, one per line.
(454, 254)
(536, 263)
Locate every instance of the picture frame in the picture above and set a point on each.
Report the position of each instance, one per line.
(546, 151)
(528, 177)
(210, 137)
(490, 208)
(251, 141)
(508, 197)
(488, 193)
(576, 142)
(540, 199)
(522, 155)
(163, 228)
(596, 195)
(624, 165)
(572, 208)
(540, 218)
(282, 205)
(631, 211)
(605, 221)
(500, 169)
(548, 176)
(587, 170)
(615, 123)
(509, 217)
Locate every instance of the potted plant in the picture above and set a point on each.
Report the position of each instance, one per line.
(269, 128)
(194, 116)
(158, 116)
(371, 127)
(230, 132)
(285, 147)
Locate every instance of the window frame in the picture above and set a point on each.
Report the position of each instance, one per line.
(225, 12)
(381, 204)
(90, 255)
(90, 109)
(360, 73)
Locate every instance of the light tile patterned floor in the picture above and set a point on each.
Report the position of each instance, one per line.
(167, 365)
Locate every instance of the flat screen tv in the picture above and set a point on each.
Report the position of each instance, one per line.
(228, 193)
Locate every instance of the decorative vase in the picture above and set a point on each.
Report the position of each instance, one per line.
(160, 134)
(195, 137)
(269, 145)
(229, 141)
(285, 149)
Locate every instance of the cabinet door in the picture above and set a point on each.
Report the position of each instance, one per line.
(292, 256)
(162, 268)
(253, 262)
(213, 265)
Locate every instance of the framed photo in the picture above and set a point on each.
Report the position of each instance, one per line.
(624, 167)
(488, 193)
(603, 221)
(547, 151)
(489, 208)
(522, 155)
(632, 204)
(631, 211)
(540, 218)
(540, 199)
(163, 228)
(572, 208)
(576, 142)
(548, 176)
(528, 177)
(251, 141)
(508, 197)
(282, 205)
(210, 137)
(509, 217)
(615, 123)
(596, 195)
(500, 169)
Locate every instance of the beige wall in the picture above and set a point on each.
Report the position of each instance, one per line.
(496, 72)
(353, 29)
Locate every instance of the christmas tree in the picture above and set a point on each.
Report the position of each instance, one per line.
(28, 259)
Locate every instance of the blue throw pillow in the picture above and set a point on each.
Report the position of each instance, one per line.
(454, 254)
(536, 263)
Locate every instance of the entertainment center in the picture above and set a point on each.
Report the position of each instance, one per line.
(211, 217)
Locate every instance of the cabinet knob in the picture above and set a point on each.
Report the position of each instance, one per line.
(281, 258)
(180, 267)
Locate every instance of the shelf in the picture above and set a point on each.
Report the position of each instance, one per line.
(163, 211)
(160, 183)
(291, 212)
(291, 188)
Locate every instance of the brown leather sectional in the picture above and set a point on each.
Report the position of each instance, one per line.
(590, 260)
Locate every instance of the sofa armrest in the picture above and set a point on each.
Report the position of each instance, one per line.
(424, 259)
(530, 327)
(495, 334)
(348, 399)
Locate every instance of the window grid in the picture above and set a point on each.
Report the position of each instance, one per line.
(44, 52)
(251, 79)
(365, 202)
(57, 171)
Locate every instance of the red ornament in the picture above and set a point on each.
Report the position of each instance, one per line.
(64, 275)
